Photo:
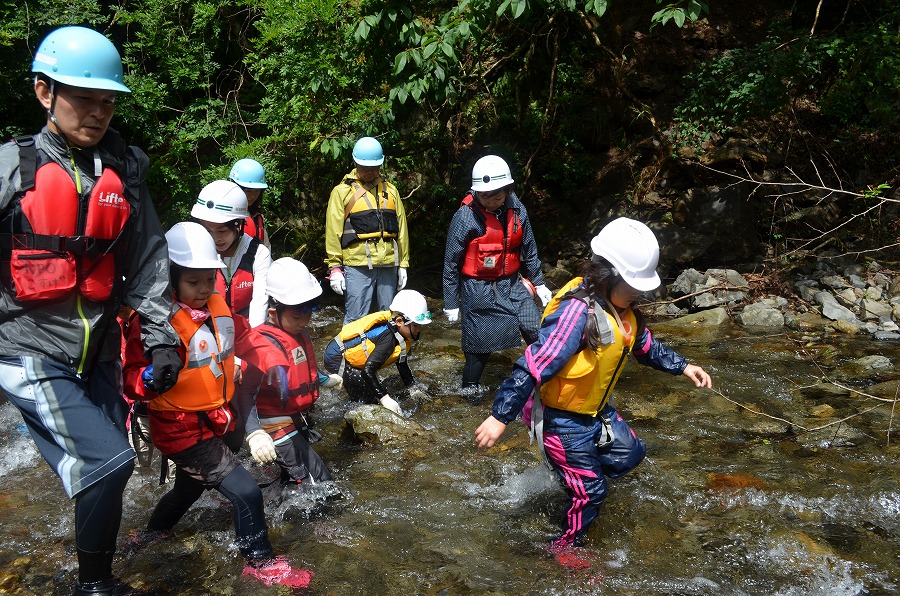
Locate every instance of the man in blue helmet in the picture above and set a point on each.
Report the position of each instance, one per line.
(366, 240)
(80, 238)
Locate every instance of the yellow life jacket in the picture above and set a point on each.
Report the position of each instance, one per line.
(356, 344)
(586, 381)
(206, 380)
(369, 215)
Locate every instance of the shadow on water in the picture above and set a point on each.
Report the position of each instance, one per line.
(728, 501)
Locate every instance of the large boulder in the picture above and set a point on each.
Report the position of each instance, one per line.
(761, 314)
(833, 310)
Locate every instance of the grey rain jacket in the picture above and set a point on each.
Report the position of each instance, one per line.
(75, 331)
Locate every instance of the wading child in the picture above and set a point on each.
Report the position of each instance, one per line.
(250, 175)
(567, 376)
(290, 386)
(221, 208)
(375, 341)
(193, 424)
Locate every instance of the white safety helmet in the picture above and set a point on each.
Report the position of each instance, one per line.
(191, 246)
(289, 282)
(412, 306)
(220, 202)
(490, 173)
(630, 247)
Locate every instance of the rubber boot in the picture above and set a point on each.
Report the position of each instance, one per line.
(101, 588)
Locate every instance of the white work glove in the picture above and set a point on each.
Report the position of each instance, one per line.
(401, 278)
(452, 314)
(333, 381)
(262, 447)
(544, 294)
(337, 281)
(391, 404)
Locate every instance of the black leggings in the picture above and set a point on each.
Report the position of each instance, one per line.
(475, 363)
(240, 488)
(98, 513)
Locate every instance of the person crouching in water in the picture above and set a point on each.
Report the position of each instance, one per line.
(194, 422)
(375, 341)
(290, 384)
(563, 383)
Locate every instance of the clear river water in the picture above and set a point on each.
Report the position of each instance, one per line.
(728, 501)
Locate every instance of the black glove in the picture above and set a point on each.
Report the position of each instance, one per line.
(166, 364)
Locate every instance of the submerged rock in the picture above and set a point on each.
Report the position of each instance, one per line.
(373, 424)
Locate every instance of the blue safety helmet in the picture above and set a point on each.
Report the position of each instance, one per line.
(248, 173)
(368, 152)
(80, 57)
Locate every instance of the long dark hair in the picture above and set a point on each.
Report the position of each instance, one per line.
(600, 277)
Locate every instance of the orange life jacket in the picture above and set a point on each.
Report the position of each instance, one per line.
(59, 240)
(303, 376)
(496, 253)
(206, 380)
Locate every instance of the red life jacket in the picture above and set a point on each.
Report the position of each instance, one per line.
(254, 226)
(239, 291)
(303, 376)
(60, 239)
(496, 253)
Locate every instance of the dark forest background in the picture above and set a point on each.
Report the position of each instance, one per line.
(769, 125)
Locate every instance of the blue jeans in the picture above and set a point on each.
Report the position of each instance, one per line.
(364, 283)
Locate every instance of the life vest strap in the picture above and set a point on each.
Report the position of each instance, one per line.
(27, 162)
(358, 192)
(75, 245)
(209, 360)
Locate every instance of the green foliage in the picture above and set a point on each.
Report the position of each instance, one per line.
(679, 12)
(851, 77)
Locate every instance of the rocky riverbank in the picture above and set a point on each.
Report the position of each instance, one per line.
(834, 296)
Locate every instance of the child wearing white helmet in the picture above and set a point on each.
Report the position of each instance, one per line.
(221, 208)
(250, 175)
(375, 341)
(194, 423)
(587, 330)
(287, 376)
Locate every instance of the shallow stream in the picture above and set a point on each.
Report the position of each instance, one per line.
(727, 502)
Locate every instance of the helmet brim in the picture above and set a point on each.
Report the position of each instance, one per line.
(203, 214)
(298, 298)
(492, 185)
(84, 82)
(643, 284)
(199, 263)
(259, 185)
(368, 163)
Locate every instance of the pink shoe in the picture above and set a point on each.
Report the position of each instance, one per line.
(570, 556)
(279, 571)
